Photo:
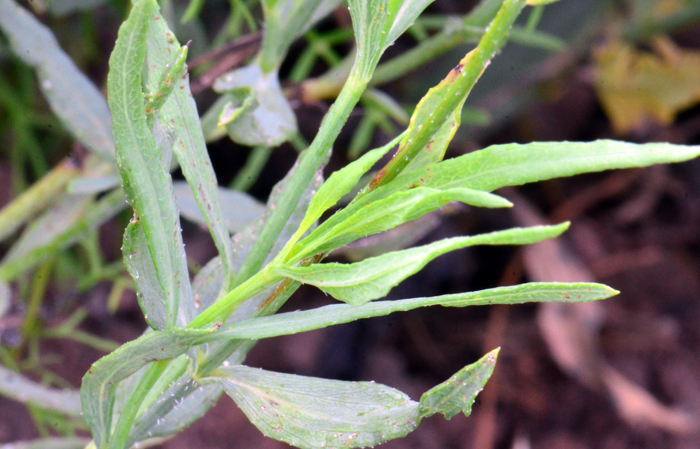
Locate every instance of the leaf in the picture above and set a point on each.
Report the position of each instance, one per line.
(514, 164)
(19, 388)
(308, 412)
(99, 385)
(5, 298)
(373, 278)
(238, 208)
(285, 22)
(295, 322)
(634, 85)
(37, 250)
(180, 117)
(360, 221)
(52, 223)
(271, 121)
(338, 185)
(457, 394)
(41, 194)
(146, 184)
(49, 443)
(437, 116)
(73, 97)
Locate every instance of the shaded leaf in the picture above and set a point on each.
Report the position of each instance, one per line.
(373, 278)
(285, 22)
(146, 183)
(238, 208)
(72, 96)
(294, 322)
(634, 85)
(457, 394)
(308, 412)
(270, 122)
(99, 385)
(179, 116)
(49, 443)
(19, 388)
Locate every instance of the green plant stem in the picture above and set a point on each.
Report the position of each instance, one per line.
(250, 172)
(39, 285)
(309, 163)
(120, 435)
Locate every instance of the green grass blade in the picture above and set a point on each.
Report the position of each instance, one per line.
(19, 388)
(295, 322)
(99, 385)
(311, 413)
(359, 221)
(146, 182)
(514, 164)
(179, 115)
(457, 394)
(73, 97)
(373, 278)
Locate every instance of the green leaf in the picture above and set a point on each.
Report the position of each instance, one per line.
(37, 197)
(359, 221)
(146, 183)
(74, 99)
(285, 22)
(179, 116)
(36, 249)
(514, 164)
(49, 443)
(372, 278)
(5, 298)
(238, 208)
(437, 116)
(271, 121)
(337, 186)
(99, 385)
(19, 388)
(295, 322)
(457, 394)
(308, 412)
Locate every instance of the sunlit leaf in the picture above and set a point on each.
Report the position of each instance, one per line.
(373, 278)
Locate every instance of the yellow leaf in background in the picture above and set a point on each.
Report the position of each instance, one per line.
(635, 85)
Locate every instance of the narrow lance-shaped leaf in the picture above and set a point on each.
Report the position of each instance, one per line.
(308, 412)
(19, 388)
(100, 382)
(146, 183)
(179, 113)
(338, 185)
(49, 443)
(294, 322)
(457, 394)
(360, 221)
(72, 96)
(372, 278)
(439, 106)
(515, 164)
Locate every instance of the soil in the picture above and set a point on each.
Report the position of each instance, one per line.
(637, 231)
